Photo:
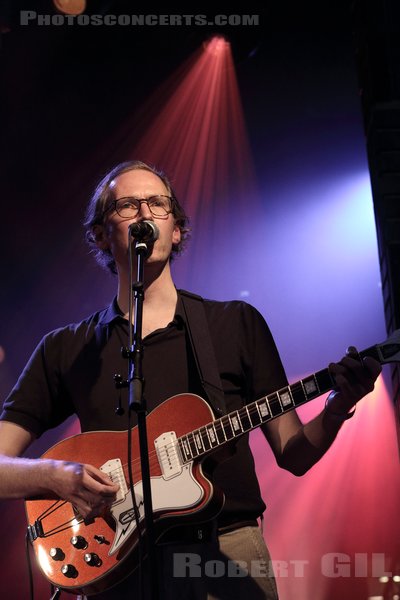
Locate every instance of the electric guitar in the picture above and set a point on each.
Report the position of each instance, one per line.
(89, 557)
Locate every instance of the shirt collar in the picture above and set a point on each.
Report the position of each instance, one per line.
(113, 312)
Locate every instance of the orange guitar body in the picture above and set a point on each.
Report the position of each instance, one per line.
(103, 550)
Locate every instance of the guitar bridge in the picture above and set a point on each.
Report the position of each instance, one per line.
(34, 531)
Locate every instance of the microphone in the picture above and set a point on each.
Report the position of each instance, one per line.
(144, 231)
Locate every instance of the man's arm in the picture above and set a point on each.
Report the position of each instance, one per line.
(298, 447)
(85, 486)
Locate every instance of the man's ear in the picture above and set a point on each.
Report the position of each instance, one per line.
(176, 235)
(99, 237)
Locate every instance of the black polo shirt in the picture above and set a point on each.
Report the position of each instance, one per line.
(72, 372)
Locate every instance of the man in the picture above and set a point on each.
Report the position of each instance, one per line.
(72, 371)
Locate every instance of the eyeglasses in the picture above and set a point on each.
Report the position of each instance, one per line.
(127, 208)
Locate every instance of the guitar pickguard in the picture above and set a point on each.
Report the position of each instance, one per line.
(177, 493)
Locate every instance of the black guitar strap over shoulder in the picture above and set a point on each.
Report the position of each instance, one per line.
(203, 350)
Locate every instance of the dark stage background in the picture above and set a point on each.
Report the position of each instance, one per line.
(298, 241)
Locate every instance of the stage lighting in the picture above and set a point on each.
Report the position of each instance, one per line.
(216, 45)
(70, 7)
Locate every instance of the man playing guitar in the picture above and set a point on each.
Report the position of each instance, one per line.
(71, 372)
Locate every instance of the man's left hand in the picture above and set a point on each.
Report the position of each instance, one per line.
(355, 377)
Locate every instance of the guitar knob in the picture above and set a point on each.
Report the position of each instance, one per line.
(56, 554)
(69, 571)
(92, 559)
(79, 542)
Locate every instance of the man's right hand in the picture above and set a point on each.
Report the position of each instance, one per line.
(89, 490)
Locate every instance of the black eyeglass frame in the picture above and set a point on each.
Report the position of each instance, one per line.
(113, 205)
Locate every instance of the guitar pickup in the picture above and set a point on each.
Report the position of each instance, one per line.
(114, 470)
(168, 456)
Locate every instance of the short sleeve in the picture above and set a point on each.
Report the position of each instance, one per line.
(262, 364)
(38, 401)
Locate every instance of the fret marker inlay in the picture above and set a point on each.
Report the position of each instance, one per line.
(235, 423)
(286, 399)
(310, 387)
(211, 434)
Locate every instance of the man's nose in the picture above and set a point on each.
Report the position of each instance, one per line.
(144, 211)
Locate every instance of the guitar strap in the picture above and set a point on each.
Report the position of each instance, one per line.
(203, 350)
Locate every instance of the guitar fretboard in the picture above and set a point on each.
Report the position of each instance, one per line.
(233, 425)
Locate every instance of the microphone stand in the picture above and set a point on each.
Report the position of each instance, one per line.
(137, 402)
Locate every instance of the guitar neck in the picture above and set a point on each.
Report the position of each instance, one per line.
(202, 441)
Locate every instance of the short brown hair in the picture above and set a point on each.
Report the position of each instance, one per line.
(104, 194)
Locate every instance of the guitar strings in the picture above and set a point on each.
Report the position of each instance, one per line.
(250, 410)
(219, 424)
(203, 432)
(177, 458)
(63, 526)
